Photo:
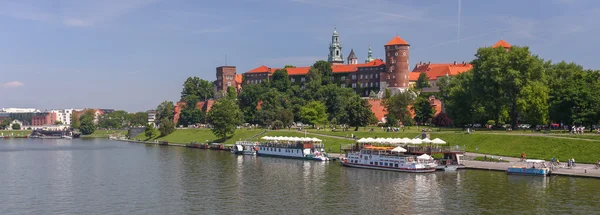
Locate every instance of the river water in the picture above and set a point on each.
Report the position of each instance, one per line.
(108, 177)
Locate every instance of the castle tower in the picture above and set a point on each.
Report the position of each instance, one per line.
(352, 59)
(335, 50)
(502, 44)
(396, 61)
(370, 56)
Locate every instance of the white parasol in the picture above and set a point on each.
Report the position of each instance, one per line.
(424, 157)
(416, 141)
(438, 141)
(426, 140)
(398, 149)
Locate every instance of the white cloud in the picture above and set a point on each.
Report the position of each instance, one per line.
(12, 84)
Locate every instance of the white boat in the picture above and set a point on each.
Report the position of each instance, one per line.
(67, 137)
(244, 148)
(293, 147)
(388, 158)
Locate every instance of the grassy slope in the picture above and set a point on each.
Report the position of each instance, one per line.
(199, 135)
(15, 133)
(106, 133)
(500, 143)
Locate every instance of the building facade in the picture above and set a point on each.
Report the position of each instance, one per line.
(43, 118)
(63, 115)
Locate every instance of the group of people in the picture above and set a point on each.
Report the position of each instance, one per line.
(570, 162)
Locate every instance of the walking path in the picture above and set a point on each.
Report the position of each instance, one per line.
(581, 170)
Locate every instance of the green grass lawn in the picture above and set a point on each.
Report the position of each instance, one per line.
(14, 132)
(592, 136)
(105, 133)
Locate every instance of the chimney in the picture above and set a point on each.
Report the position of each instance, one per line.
(464, 64)
(454, 62)
(429, 62)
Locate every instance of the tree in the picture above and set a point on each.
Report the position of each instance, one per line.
(149, 131)
(165, 110)
(443, 84)
(280, 80)
(231, 93)
(325, 71)
(504, 80)
(58, 122)
(87, 125)
(75, 122)
(422, 82)
(114, 120)
(397, 108)
(460, 104)
(5, 123)
(191, 116)
(313, 83)
(139, 119)
(289, 66)
(200, 88)
(441, 120)
(422, 109)
(248, 100)
(313, 113)
(16, 126)
(359, 112)
(166, 127)
(224, 117)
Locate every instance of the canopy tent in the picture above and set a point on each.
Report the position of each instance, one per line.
(438, 141)
(416, 141)
(424, 157)
(426, 140)
(398, 149)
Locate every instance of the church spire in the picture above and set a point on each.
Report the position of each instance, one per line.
(335, 49)
(370, 56)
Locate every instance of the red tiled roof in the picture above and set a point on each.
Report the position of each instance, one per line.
(298, 71)
(260, 69)
(501, 43)
(396, 41)
(434, 71)
(344, 68)
(238, 78)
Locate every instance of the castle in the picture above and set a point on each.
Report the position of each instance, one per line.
(369, 78)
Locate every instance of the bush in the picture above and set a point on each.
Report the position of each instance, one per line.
(442, 120)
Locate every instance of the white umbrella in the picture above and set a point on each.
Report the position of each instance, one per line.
(316, 140)
(416, 141)
(380, 140)
(424, 157)
(369, 140)
(362, 140)
(426, 140)
(389, 140)
(266, 138)
(306, 139)
(406, 140)
(397, 140)
(398, 149)
(438, 141)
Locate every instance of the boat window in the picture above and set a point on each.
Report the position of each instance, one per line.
(396, 165)
(371, 162)
(376, 163)
(279, 150)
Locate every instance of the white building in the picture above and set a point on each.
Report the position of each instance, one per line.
(152, 117)
(64, 115)
(20, 110)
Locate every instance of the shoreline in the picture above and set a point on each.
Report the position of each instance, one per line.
(581, 170)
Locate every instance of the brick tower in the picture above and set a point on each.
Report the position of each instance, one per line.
(396, 60)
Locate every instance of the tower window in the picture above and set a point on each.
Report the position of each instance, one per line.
(337, 53)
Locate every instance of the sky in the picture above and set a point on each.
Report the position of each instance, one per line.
(133, 54)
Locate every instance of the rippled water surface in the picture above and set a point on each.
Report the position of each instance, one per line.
(107, 177)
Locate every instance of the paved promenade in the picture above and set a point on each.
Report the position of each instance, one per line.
(581, 170)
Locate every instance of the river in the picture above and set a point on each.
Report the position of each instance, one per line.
(100, 176)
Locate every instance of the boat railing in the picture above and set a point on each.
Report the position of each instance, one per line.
(246, 143)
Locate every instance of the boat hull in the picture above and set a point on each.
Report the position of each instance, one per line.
(528, 171)
(355, 165)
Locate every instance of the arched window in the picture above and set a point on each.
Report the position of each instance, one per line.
(337, 53)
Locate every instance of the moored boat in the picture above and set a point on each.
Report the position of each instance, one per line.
(388, 158)
(293, 147)
(192, 145)
(532, 167)
(163, 143)
(244, 148)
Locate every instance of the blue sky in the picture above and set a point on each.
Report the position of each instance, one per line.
(133, 54)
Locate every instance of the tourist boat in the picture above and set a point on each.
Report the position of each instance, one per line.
(67, 137)
(293, 147)
(244, 148)
(192, 145)
(532, 167)
(388, 158)
(217, 146)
